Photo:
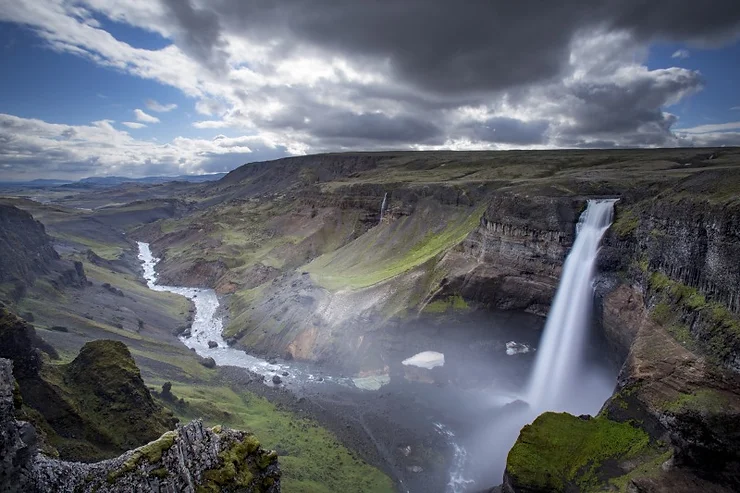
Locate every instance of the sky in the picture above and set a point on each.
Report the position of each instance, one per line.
(169, 87)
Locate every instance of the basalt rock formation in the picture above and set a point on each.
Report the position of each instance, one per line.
(670, 278)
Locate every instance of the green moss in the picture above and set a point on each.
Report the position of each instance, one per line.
(235, 469)
(108, 403)
(648, 468)
(151, 452)
(626, 223)
(160, 473)
(448, 304)
(717, 328)
(559, 449)
(702, 400)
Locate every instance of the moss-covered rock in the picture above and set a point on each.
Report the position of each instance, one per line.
(559, 452)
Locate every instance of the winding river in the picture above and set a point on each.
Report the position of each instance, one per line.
(207, 327)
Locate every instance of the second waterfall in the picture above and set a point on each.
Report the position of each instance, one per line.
(561, 352)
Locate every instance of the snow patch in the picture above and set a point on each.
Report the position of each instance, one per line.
(426, 359)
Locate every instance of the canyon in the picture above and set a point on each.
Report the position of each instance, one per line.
(352, 263)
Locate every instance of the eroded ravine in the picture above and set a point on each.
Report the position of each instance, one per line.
(207, 329)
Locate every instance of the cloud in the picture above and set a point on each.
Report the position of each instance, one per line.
(735, 108)
(31, 147)
(145, 117)
(159, 108)
(133, 124)
(713, 128)
(303, 76)
(681, 54)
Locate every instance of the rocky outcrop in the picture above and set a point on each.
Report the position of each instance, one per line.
(95, 407)
(28, 253)
(189, 459)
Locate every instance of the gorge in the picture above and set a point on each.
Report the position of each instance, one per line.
(473, 251)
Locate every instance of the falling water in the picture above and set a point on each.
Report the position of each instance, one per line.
(560, 355)
(382, 207)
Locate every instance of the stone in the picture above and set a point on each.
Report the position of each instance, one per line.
(212, 344)
(277, 380)
(208, 362)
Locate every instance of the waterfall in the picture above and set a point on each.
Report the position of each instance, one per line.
(382, 207)
(560, 354)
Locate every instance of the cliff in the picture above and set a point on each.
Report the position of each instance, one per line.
(669, 282)
(189, 459)
(98, 407)
(95, 407)
(314, 272)
(28, 254)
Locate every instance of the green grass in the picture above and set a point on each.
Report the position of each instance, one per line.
(702, 400)
(559, 449)
(103, 250)
(626, 223)
(389, 250)
(452, 303)
(312, 459)
(717, 328)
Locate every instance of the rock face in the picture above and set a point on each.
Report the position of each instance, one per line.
(519, 250)
(95, 407)
(669, 298)
(28, 253)
(189, 459)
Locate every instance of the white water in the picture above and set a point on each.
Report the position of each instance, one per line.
(560, 355)
(457, 483)
(382, 206)
(207, 326)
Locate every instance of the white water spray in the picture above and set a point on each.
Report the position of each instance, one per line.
(560, 355)
(382, 207)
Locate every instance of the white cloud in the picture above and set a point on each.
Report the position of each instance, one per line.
(681, 54)
(133, 124)
(158, 107)
(717, 127)
(35, 146)
(144, 117)
(735, 108)
(300, 98)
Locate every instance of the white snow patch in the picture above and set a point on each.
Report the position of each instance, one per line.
(426, 359)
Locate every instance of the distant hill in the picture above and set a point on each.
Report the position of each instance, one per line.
(110, 181)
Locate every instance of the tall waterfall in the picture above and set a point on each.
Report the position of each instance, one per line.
(560, 355)
(382, 207)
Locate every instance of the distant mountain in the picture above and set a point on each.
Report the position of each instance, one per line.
(110, 181)
(40, 183)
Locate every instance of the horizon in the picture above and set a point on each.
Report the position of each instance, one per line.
(166, 88)
(360, 151)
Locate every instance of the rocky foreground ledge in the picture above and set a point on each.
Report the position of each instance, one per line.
(192, 458)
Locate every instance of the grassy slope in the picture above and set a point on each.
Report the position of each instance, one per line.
(311, 458)
(389, 250)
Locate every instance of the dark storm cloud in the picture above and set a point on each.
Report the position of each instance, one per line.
(630, 111)
(451, 47)
(199, 33)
